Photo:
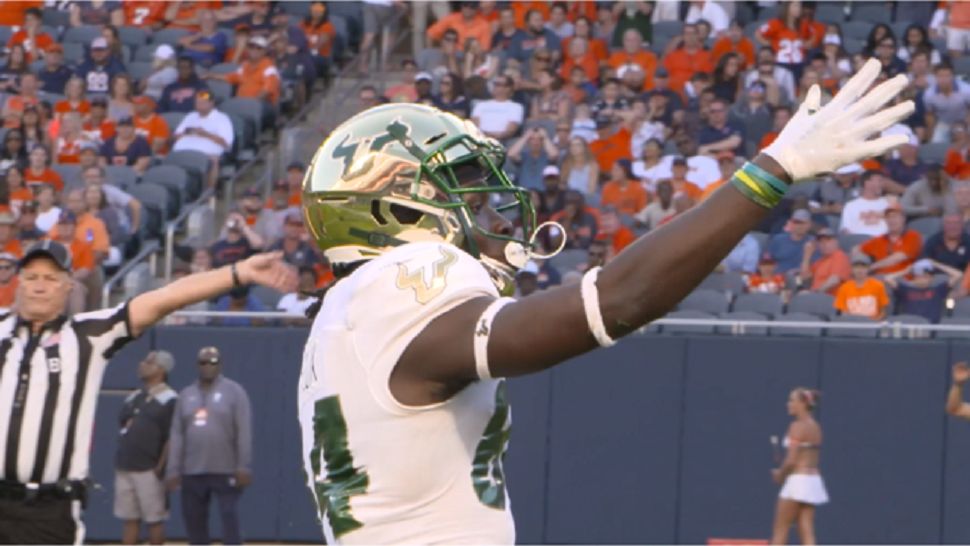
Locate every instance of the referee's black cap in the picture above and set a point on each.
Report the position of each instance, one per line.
(48, 249)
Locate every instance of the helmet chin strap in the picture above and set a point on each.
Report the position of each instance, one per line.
(518, 255)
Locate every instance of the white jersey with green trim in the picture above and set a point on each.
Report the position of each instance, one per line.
(383, 472)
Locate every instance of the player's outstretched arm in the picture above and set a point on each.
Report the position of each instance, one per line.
(653, 274)
(267, 269)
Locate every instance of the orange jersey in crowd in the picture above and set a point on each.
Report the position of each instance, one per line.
(477, 28)
(879, 248)
(623, 237)
(255, 78)
(82, 254)
(587, 62)
(32, 48)
(595, 46)
(823, 268)
(65, 107)
(711, 188)
(47, 176)
(320, 38)
(144, 13)
(744, 48)
(520, 8)
(687, 187)
(767, 139)
(20, 196)
(959, 15)
(12, 13)
(681, 65)
(867, 300)
(646, 60)
(956, 164)
(153, 127)
(13, 247)
(90, 230)
(104, 130)
(8, 292)
(187, 13)
(68, 152)
(611, 149)
(770, 285)
(788, 44)
(627, 200)
(15, 106)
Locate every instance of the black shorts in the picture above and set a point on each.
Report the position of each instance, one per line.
(45, 520)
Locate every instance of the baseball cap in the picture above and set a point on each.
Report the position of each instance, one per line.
(423, 76)
(767, 258)
(164, 360)
(824, 232)
(252, 192)
(7, 257)
(126, 120)
(164, 52)
(679, 160)
(48, 249)
(851, 168)
(530, 268)
(801, 215)
(258, 41)
(55, 48)
(832, 39)
(7, 218)
(923, 266)
(67, 217)
(861, 259)
(144, 99)
(603, 121)
(894, 206)
(99, 43)
(209, 354)
(293, 217)
(550, 170)
(88, 145)
(296, 165)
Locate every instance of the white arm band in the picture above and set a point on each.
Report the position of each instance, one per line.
(591, 304)
(483, 331)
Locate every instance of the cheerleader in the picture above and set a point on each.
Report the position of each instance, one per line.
(803, 487)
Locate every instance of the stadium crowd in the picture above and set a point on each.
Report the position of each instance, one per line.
(617, 115)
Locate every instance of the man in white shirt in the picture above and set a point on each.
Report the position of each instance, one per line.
(297, 302)
(500, 117)
(206, 130)
(865, 215)
(710, 12)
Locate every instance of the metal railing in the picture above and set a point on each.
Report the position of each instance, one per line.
(204, 200)
(149, 250)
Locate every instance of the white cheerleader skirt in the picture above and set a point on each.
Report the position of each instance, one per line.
(806, 488)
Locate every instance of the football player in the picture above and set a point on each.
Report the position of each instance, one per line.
(402, 406)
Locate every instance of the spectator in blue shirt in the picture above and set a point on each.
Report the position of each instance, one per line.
(536, 36)
(744, 257)
(720, 135)
(239, 299)
(100, 68)
(908, 167)
(179, 96)
(532, 153)
(507, 32)
(788, 247)
(951, 246)
(208, 46)
(54, 75)
(924, 295)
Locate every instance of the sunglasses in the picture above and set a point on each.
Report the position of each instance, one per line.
(208, 362)
(6, 267)
(204, 95)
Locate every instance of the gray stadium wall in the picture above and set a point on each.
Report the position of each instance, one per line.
(661, 439)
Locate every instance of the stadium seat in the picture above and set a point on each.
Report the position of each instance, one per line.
(854, 45)
(762, 239)
(169, 36)
(133, 36)
(911, 330)
(796, 331)
(961, 65)
(816, 304)
(663, 31)
(196, 166)
(871, 13)
(221, 90)
(688, 328)
(54, 18)
(926, 226)
(766, 304)
(172, 177)
(568, 260)
(933, 152)
(301, 9)
(848, 241)
(122, 176)
(954, 321)
(173, 119)
(70, 174)
(899, 29)
(707, 301)
(139, 70)
(961, 307)
(144, 54)
(830, 12)
(714, 281)
(224, 68)
(352, 11)
(856, 30)
(266, 296)
(80, 35)
(742, 330)
(154, 200)
(52, 98)
(803, 189)
(852, 332)
(730, 282)
(5, 34)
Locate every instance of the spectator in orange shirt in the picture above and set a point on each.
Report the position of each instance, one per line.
(151, 125)
(779, 118)
(957, 162)
(862, 295)
(613, 232)
(679, 182)
(634, 57)
(734, 41)
(9, 242)
(688, 58)
(84, 268)
(579, 56)
(824, 264)
(467, 23)
(8, 280)
(34, 40)
(612, 143)
(727, 166)
(766, 280)
(320, 35)
(623, 191)
(98, 127)
(67, 147)
(583, 28)
(256, 77)
(18, 193)
(74, 100)
(148, 14)
(38, 172)
(14, 107)
(89, 228)
(294, 182)
(898, 248)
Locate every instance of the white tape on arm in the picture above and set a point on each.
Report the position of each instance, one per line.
(591, 304)
(483, 331)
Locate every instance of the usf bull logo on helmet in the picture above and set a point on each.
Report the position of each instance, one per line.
(403, 173)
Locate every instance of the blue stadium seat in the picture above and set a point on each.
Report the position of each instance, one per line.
(708, 301)
(933, 152)
(848, 241)
(81, 35)
(766, 304)
(745, 330)
(196, 166)
(686, 328)
(954, 321)
(139, 70)
(224, 68)
(911, 330)
(5, 34)
(133, 36)
(854, 332)
(961, 307)
(122, 176)
(926, 226)
(830, 12)
(816, 304)
(169, 36)
(857, 30)
(871, 13)
(796, 331)
(172, 178)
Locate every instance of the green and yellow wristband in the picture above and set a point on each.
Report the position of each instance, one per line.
(759, 185)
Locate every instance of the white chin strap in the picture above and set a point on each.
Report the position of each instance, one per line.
(518, 255)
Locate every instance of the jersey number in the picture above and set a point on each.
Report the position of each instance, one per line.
(488, 476)
(790, 51)
(342, 480)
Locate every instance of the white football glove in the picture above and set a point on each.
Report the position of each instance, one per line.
(820, 140)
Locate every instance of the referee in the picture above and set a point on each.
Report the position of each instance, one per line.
(51, 368)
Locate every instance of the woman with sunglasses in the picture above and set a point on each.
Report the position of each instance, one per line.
(451, 97)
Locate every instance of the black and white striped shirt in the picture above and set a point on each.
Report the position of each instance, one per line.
(49, 385)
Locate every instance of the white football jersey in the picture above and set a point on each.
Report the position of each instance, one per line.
(383, 472)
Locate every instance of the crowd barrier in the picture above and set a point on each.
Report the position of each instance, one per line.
(661, 439)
